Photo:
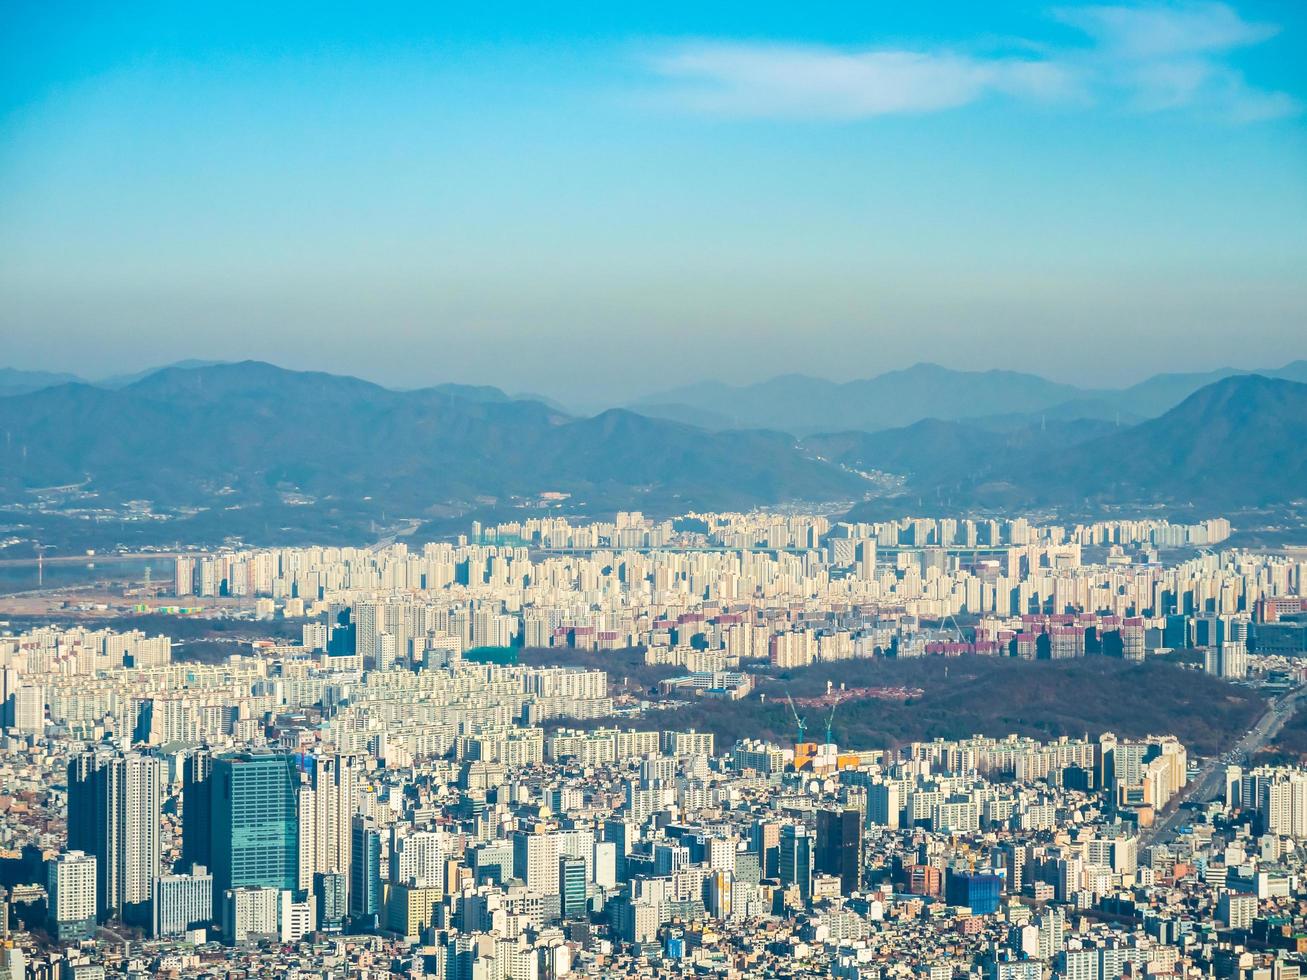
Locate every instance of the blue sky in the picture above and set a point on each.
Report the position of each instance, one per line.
(599, 201)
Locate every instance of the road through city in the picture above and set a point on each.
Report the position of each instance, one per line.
(1209, 782)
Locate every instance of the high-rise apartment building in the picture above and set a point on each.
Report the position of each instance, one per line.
(115, 805)
(70, 890)
(26, 709)
(328, 800)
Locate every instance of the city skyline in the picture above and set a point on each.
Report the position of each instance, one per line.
(555, 748)
(516, 492)
(890, 186)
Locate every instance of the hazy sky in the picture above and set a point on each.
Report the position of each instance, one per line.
(590, 200)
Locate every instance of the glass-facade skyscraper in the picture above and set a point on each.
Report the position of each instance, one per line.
(197, 807)
(365, 874)
(796, 858)
(839, 847)
(571, 885)
(254, 822)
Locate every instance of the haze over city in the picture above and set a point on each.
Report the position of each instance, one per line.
(416, 191)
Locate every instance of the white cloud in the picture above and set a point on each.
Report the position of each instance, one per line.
(795, 80)
(1152, 57)
(1169, 56)
(1162, 30)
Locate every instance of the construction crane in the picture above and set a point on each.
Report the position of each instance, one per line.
(830, 719)
(798, 722)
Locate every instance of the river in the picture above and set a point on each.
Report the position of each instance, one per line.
(22, 577)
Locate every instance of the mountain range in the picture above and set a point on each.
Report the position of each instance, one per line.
(1235, 443)
(258, 445)
(251, 433)
(16, 382)
(803, 405)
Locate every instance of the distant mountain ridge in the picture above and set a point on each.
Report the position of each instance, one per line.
(1238, 442)
(1003, 399)
(235, 440)
(247, 434)
(803, 405)
(17, 382)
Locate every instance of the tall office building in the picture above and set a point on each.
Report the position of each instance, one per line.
(70, 889)
(365, 874)
(885, 804)
(82, 770)
(571, 884)
(603, 864)
(765, 840)
(254, 825)
(979, 892)
(115, 805)
(796, 858)
(1229, 660)
(839, 847)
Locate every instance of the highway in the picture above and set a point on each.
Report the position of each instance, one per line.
(1209, 783)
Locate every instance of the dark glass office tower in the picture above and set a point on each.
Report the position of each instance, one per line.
(364, 875)
(796, 858)
(81, 801)
(839, 847)
(329, 890)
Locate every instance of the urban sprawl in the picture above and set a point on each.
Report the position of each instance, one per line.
(398, 790)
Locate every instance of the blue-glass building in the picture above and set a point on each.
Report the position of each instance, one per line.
(975, 890)
(254, 822)
(571, 886)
